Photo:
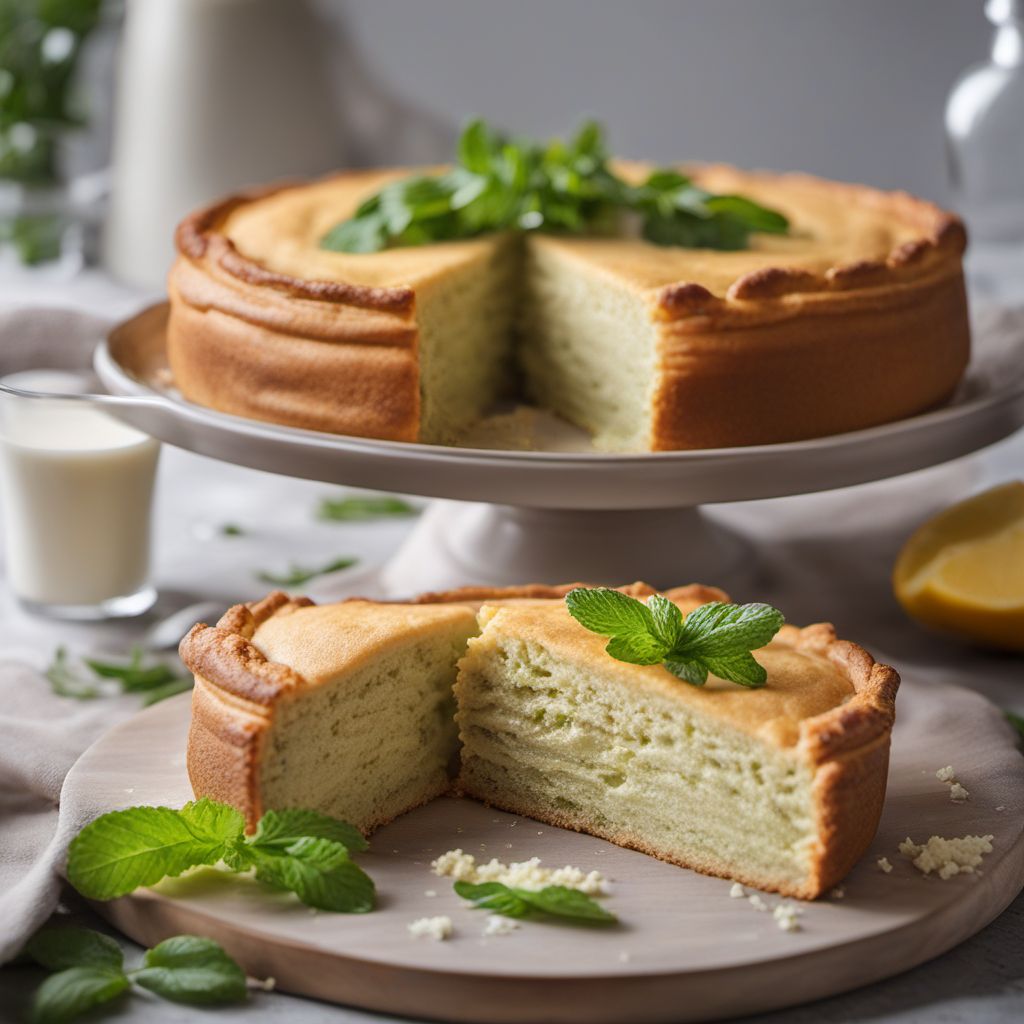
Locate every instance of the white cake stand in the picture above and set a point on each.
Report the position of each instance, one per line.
(516, 517)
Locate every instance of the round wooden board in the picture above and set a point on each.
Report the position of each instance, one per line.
(684, 950)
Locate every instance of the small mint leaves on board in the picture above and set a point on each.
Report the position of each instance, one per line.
(299, 851)
(90, 972)
(366, 508)
(154, 682)
(552, 900)
(716, 638)
(298, 574)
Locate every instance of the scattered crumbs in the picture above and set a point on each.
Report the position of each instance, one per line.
(436, 928)
(394, 851)
(786, 915)
(430, 893)
(130, 789)
(624, 957)
(957, 793)
(540, 832)
(946, 774)
(947, 857)
(458, 828)
(527, 874)
(737, 892)
(267, 984)
(1001, 807)
(508, 846)
(884, 865)
(838, 893)
(756, 902)
(514, 823)
(497, 925)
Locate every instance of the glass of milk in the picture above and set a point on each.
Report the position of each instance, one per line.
(76, 490)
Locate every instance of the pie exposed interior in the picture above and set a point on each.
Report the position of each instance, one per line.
(348, 709)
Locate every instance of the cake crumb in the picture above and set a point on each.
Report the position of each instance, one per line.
(947, 857)
(527, 874)
(786, 915)
(957, 793)
(884, 865)
(737, 892)
(498, 925)
(756, 902)
(436, 928)
(838, 893)
(430, 893)
(268, 984)
(1001, 807)
(946, 774)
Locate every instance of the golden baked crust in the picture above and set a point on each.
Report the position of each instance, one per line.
(842, 736)
(856, 318)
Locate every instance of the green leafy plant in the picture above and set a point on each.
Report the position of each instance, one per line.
(90, 972)
(502, 184)
(155, 682)
(298, 574)
(231, 530)
(715, 638)
(354, 510)
(1017, 721)
(300, 851)
(552, 900)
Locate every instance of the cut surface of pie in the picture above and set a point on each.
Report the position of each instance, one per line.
(347, 709)
(856, 317)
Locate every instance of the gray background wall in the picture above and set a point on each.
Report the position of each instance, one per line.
(851, 89)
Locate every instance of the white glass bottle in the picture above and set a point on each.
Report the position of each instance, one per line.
(985, 138)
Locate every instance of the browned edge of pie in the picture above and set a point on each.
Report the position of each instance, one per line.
(847, 746)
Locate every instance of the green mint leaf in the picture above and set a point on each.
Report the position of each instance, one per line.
(667, 620)
(65, 681)
(720, 630)
(754, 216)
(57, 948)
(123, 850)
(740, 668)
(231, 530)
(297, 575)
(319, 872)
(493, 896)
(560, 901)
(69, 994)
(169, 689)
(283, 828)
(133, 677)
(636, 648)
(553, 900)
(352, 510)
(609, 612)
(693, 672)
(190, 969)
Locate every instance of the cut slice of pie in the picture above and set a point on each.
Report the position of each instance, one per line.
(344, 708)
(780, 788)
(347, 709)
(855, 318)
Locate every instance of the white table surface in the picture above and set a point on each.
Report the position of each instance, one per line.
(819, 556)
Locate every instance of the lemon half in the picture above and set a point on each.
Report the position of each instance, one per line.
(963, 570)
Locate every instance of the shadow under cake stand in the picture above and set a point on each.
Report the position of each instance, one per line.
(510, 517)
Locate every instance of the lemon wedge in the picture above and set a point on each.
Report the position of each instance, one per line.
(963, 570)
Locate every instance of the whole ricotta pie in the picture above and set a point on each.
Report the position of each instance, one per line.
(856, 317)
(360, 710)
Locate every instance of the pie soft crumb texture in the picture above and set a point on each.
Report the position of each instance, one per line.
(347, 709)
(856, 318)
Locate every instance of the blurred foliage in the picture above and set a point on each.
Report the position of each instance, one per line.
(40, 41)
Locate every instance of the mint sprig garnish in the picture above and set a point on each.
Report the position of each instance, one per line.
(503, 184)
(716, 638)
(298, 574)
(364, 509)
(552, 900)
(90, 965)
(300, 851)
